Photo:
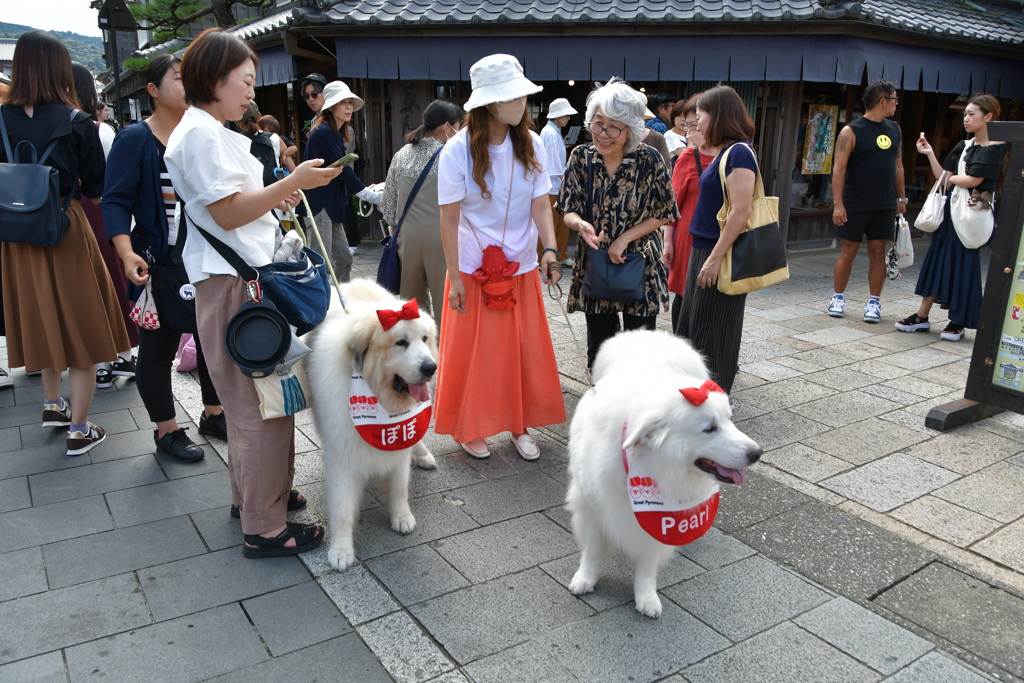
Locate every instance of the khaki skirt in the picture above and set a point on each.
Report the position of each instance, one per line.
(60, 307)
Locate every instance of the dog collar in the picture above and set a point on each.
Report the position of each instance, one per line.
(379, 428)
(671, 521)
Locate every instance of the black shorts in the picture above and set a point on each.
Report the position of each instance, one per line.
(875, 225)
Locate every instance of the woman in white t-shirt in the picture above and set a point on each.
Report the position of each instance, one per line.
(497, 368)
(220, 184)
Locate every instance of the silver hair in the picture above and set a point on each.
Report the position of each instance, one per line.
(618, 101)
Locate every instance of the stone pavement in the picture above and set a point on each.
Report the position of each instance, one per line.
(863, 547)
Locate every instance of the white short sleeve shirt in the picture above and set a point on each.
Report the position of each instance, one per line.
(207, 162)
(554, 145)
(483, 219)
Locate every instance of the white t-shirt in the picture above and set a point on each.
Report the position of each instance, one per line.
(674, 141)
(106, 137)
(486, 217)
(551, 136)
(207, 162)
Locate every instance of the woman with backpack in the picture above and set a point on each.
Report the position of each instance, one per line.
(138, 186)
(60, 307)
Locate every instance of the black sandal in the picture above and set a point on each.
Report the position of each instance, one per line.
(307, 537)
(294, 503)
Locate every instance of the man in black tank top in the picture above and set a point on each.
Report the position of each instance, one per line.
(868, 190)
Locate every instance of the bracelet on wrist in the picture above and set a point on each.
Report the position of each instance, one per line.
(902, 200)
(552, 250)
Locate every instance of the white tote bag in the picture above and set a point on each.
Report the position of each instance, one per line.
(973, 217)
(930, 217)
(904, 246)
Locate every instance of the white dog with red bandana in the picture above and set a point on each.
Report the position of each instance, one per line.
(647, 448)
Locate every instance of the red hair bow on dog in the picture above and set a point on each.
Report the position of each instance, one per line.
(698, 396)
(389, 319)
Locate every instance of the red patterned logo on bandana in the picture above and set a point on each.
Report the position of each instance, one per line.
(382, 430)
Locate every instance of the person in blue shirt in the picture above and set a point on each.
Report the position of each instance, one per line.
(662, 106)
(330, 202)
(711, 320)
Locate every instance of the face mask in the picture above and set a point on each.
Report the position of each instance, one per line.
(510, 113)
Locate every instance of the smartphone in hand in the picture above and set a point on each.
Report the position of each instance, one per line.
(347, 159)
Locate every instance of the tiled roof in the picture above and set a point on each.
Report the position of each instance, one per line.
(7, 49)
(247, 31)
(979, 20)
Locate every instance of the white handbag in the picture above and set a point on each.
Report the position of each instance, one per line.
(904, 246)
(930, 217)
(973, 218)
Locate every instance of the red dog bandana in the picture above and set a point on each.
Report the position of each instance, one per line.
(408, 311)
(671, 521)
(382, 430)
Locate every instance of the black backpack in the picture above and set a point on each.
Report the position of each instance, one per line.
(262, 147)
(31, 211)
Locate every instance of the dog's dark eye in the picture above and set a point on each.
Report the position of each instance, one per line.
(424, 339)
(711, 428)
(402, 342)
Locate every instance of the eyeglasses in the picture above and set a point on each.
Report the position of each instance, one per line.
(894, 99)
(311, 95)
(611, 131)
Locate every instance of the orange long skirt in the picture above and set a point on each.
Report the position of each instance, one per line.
(497, 370)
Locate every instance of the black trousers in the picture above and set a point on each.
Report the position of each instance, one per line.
(604, 326)
(713, 322)
(153, 372)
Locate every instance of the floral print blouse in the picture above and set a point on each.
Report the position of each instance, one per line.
(640, 189)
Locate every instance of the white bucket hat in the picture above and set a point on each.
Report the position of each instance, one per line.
(336, 91)
(560, 107)
(498, 78)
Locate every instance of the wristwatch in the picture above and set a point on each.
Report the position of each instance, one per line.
(903, 200)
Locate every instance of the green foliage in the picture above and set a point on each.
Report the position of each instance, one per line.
(169, 19)
(85, 49)
(137, 64)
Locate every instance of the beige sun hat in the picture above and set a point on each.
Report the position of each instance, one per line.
(336, 91)
(498, 78)
(560, 107)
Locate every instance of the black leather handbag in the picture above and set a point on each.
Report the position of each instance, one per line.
(620, 282)
(173, 295)
(389, 271)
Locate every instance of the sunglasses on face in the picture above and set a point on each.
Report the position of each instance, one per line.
(311, 96)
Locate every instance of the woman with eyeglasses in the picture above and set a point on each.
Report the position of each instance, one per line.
(690, 163)
(617, 193)
(419, 239)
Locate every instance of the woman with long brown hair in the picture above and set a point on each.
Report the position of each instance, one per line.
(60, 308)
(711, 320)
(497, 370)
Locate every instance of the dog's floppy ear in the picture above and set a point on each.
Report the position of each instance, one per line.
(646, 425)
(360, 338)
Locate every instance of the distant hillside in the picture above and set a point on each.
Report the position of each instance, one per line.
(85, 49)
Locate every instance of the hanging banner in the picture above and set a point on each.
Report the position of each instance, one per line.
(820, 139)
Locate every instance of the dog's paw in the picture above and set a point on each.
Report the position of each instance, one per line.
(341, 558)
(649, 605)
(581, 584)
(425, 460)
(404, 524)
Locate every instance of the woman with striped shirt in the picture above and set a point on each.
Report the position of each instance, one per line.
(137, 185)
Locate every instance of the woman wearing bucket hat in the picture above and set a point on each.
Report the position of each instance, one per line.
(330, 203)
(497, 367)
(220, 184)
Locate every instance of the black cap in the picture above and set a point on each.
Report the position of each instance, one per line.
(661, 100)
(258, 338)
(313, 78)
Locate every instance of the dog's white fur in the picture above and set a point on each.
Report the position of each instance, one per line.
(638, 376)
(358, 341)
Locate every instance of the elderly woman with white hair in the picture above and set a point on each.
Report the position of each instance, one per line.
(617, 193)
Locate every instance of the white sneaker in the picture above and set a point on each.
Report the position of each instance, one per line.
(5, 379)
(352, 250)
(837, 306)
(873, 311)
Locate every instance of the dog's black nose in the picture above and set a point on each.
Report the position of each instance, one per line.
(428, 369)
(754, 455)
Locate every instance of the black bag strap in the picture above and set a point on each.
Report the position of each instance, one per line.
(247, 272)
(46, 154)
(696, 158)
(415, 191)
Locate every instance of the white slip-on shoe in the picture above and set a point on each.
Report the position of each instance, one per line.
(526, 446)
(476, 448)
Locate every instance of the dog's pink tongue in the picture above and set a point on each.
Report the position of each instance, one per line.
(420, 392)
(736, 475)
